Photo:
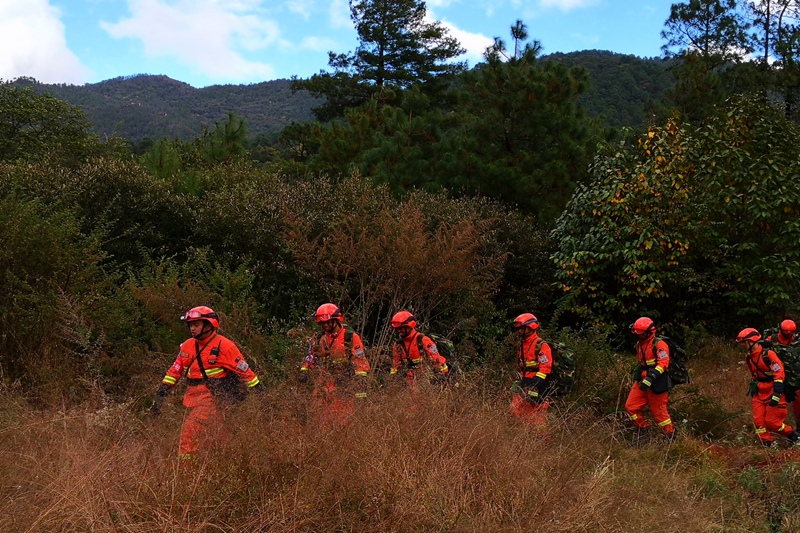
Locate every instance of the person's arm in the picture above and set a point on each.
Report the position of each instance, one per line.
(170, 379)
(396, 357)
(231, 359)
(434, 356)
(544, 361)
(360, 365)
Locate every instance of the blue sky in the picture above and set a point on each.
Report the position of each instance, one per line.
(210, 42)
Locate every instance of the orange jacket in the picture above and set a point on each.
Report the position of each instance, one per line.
(767, 370)
(407, 351)
(780, 339)
(649, 358)
(220, 358)
(534, 362)
(331, 352)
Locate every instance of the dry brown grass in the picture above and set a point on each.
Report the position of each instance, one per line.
(456, 463)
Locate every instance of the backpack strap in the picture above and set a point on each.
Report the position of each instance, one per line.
(348, 341)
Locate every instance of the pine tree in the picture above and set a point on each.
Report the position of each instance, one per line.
(397, 49)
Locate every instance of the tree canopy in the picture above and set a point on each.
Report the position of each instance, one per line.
(397, 48)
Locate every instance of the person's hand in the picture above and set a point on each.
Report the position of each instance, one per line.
(155, 410)
(534, 396)
(774, 401)
(303, 377)
(163, 390)
(651, 376)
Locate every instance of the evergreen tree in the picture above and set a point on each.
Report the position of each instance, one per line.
(706, 37)
(523, 138)
(397, 48)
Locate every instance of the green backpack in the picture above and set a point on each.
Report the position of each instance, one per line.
(562, 375)
(788, 354)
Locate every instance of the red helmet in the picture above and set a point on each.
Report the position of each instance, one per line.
(526, 319)
(327, 312)
(201, 313)
(748, 334)
(404, 318)
(643, 325)
(788, 327)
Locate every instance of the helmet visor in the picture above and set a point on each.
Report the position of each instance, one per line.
(193, 315)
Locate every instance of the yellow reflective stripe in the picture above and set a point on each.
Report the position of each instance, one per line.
(646, 382)
(214, 371)
(253, 382)
(169, 380)
(650, 361)
(416, 361)
(303, 369)
(767, 373)
(778, 381)
(634, 417)
(660, 370)
(666, 422)
(531, 363)
(443, 368)
(759, 431)
(186, 457)
(783, 426)
(361, 395)
(541, 375)
(533, 393)
(393, 371)
(361, 373)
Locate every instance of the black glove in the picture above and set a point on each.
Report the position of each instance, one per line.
(645, 384)
(303, 377)
(163, 390)
(259, 388)
(777, 390)
(533, 396)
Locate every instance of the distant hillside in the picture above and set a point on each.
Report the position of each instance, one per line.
(141, 106)
(623, 86)
(135, 107)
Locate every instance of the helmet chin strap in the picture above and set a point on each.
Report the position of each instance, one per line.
(204, 332)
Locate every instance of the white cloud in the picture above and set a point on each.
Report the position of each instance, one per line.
(339, 12)
(208, 35)
(300, 7)
(475, 43)
(318, 44)
(567, 5)
(33, 44)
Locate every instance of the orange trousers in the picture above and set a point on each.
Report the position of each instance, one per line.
(204, 424)
(638, 399)
(331, 405)
(534, 414)
(769, 419)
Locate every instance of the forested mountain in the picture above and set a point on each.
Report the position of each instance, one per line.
(135, 107)
(623, 87)
(140, 106)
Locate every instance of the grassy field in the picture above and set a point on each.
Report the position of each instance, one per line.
(457, 462)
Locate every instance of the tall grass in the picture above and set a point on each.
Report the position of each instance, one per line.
(449, 460)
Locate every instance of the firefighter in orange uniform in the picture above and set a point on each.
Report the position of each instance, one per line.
(413, 348)
(651, 384)
(338, 365)
(766, 389)
(785, 339)
(530, 402)
(209, 361)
